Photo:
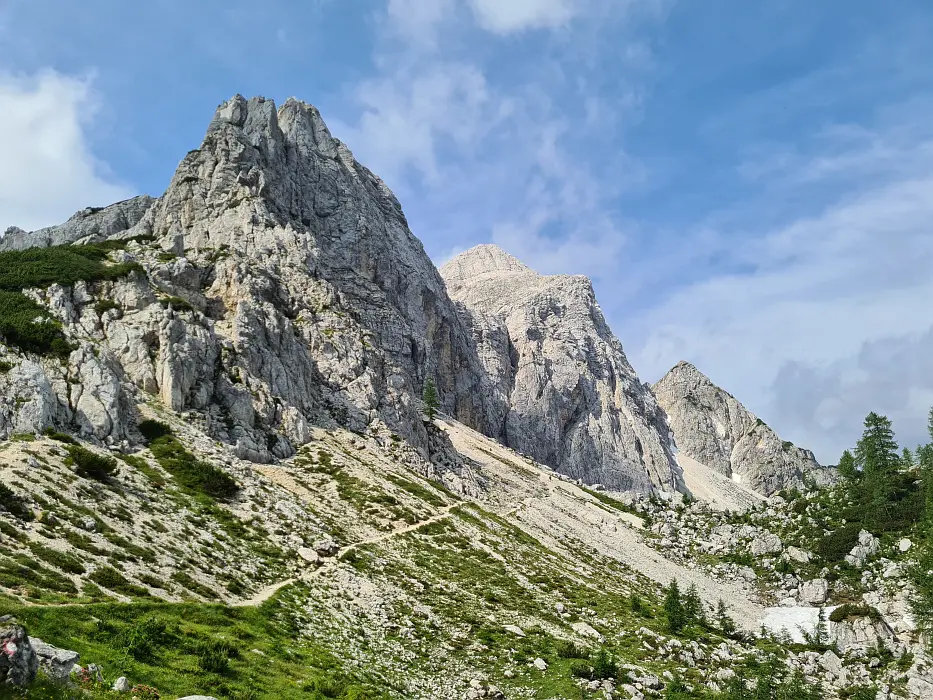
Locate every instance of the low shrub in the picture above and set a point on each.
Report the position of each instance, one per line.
(153, 429)
(26, 325)
(850, 611)
(53, 434)
(90, 464)
(14, 503)
(62, 560)
(570, 650)
(838, 543)
(190, 472)
(143, 640)
(214, 655)
(113, 580)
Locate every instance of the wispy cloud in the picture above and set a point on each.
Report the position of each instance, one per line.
(799, 330)
(47, 171)
(508, 16)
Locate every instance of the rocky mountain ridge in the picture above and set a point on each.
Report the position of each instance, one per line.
(573, 400)
(217, 475)
(713, 428)
(279, 287)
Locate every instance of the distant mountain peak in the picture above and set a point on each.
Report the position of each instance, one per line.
(484, 259)
(712, 427)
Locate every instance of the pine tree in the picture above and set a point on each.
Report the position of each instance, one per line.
(429, 396)
(878, 456)
(674, 608)
(907, 459)
(821, 633)
(847, 467)
(726, 623)
(693, 606)
(636, 604)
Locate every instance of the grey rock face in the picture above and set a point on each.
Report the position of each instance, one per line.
(91, 224)
(18, 661)
(283, 289)
(563, 390)
(713, 428)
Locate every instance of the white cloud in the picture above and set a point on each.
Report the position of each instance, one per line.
(47, 171)
(408, 114)
(508, 16)
(803, 332)
(418, 20)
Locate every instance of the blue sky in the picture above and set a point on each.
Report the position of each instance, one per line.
(750, 185)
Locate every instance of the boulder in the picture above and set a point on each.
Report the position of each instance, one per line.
(860, 633)
(326, 548)
(56, 663)
(868, 546)
(18, 660)
(814, 592)
(798, 555)
(766, 543)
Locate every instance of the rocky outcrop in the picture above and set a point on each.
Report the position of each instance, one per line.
(282, 289)
(570, 397)
(91, 224)
(18, 661)
(713, 428)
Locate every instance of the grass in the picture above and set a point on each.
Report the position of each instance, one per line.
(189, 648)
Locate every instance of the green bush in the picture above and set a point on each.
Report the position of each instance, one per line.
(153, 429)
(28, 326)
(92, 465)
(190, 472)
(850, 610)
(13, 503)
(53, 434)
(838, 543)
(64, 561)
(214, 655)
(143, 640)
(65, 265)
(111, 579)
(105, 305)
(25, 324)
(604, 667)
(570, 650)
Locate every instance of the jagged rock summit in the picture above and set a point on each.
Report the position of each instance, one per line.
(713, 428)
(572, 400)
(277, 287)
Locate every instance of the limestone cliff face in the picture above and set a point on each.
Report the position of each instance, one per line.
(572, 400)
(282, 289)
(713, 428)
(91, 224)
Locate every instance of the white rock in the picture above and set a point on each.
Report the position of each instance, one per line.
(540, 664)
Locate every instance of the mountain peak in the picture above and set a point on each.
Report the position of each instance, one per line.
(484, 259)
(712, 427)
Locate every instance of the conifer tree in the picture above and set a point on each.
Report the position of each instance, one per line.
(726, 623)
(878, 457)
(847, 467)
(674, 608)
(429, 396)
(693, 606)
(907, 459)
